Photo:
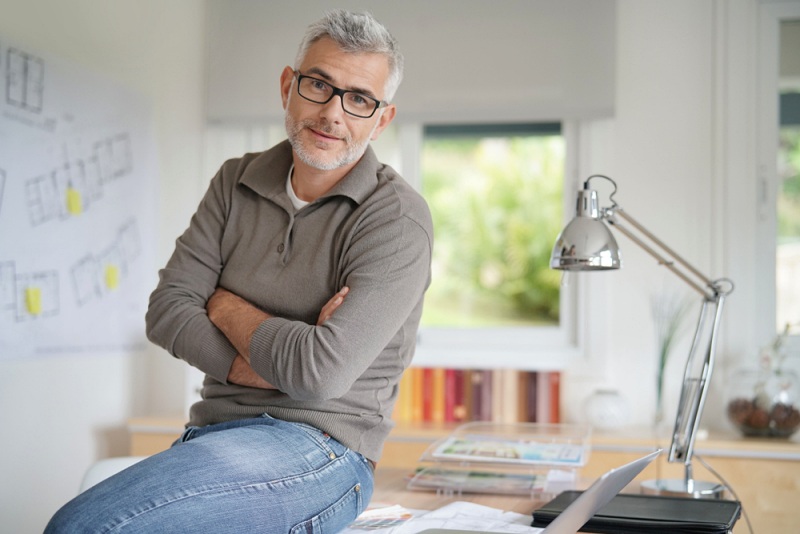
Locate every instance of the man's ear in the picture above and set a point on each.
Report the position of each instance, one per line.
(287, 77)
(384, 120)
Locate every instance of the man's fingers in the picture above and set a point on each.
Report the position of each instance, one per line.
(332, 305)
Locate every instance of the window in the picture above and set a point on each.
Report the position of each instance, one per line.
(787, 190)
(787, 273)
(496, 196)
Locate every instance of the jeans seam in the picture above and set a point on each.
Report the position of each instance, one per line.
(149, 509)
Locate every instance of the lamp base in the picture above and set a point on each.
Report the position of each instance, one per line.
(695, 489)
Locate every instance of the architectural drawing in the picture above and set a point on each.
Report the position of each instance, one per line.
(69, 190)
(8, 299)
(24, 80)
(95, 276)
(78, 171)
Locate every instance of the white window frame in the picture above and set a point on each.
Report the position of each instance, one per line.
(530, 348)
(771, 15)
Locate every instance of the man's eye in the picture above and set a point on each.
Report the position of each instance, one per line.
(358, 100)
(318, 85)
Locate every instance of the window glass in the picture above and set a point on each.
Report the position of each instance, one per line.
(495, 193)
(788, 239)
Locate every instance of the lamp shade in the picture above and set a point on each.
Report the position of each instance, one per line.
(586, 243)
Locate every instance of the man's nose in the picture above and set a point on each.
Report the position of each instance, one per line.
(333, 109)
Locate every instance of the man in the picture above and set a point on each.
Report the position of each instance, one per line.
(298, 290)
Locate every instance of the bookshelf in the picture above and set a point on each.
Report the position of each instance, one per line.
(456, 395)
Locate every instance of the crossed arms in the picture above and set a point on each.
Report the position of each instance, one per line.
(237, 319)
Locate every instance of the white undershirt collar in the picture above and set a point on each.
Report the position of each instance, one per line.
(296, 202)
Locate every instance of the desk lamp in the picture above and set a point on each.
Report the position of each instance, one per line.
(586, 244)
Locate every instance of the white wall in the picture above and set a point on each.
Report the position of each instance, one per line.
(59, 414)
(662, 160)
(683, 150)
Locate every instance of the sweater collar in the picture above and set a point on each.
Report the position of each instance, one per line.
(266, 175)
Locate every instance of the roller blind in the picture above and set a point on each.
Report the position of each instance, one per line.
(466, 60)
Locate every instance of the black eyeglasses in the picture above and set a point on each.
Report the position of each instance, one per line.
(321, 92)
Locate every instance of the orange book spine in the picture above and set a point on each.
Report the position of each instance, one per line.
(418, 394)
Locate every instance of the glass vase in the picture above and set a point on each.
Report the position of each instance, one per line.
(764, 402)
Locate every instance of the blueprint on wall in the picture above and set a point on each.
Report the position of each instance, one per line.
(78, 179)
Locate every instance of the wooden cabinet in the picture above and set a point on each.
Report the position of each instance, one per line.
(150, 435)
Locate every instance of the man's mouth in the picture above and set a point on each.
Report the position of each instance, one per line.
(324, 135)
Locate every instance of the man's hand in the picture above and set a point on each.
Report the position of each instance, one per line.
(332, 305)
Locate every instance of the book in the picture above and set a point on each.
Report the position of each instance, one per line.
(554, 390)
(417, 393)
(427, 394)
(465, 412)
(405, 398)
(517, 451)
(542, 397)
(498, 397)
(531, 395)
(485, 394)
(438, 394)
(451, 394)
(468, 481)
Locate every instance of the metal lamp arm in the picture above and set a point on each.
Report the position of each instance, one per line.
(708, 291)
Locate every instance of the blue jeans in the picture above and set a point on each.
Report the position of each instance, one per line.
(245, 476)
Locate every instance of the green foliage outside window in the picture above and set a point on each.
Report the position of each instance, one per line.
(497, 209)
(789, 192)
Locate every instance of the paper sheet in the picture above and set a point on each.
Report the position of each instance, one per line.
(457, 515)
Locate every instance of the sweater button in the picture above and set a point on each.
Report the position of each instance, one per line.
(281, 247)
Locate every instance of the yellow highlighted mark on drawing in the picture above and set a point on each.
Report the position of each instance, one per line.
(112, 277)
(74, 202)
(33, 300)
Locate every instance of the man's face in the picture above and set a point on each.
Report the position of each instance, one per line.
(324, 136)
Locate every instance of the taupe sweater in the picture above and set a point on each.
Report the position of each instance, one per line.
(371, 232)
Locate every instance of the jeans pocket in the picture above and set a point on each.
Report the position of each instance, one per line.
(334, 518)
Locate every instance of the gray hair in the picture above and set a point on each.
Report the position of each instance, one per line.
(357, 33)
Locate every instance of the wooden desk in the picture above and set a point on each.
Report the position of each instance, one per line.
(764, 473)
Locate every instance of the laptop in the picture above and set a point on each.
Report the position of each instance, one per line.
(584, 507)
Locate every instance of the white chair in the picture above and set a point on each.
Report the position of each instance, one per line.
(102, 469)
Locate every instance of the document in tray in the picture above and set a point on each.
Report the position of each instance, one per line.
(491, 449)
(478, 481)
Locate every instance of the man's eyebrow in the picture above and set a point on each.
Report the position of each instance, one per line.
(328, 78)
